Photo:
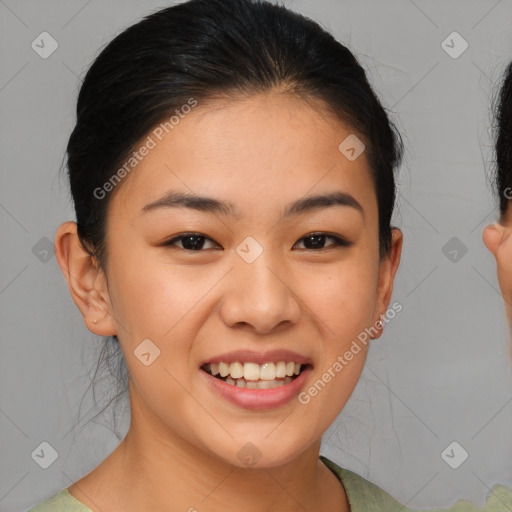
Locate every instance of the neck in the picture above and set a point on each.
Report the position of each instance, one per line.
(153, 469)
(178, 476)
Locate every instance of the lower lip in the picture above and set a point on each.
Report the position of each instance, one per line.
(258, 398)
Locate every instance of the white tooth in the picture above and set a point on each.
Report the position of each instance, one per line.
(289, 368)
(265, 384)
(229, 380)
(236, 370)
(268, 371)
(251, 371)
(240, 383)
(296, 370)
(223, 369)
(214, 368)
(287, 380)
(251, 385)
(279, 383)
(280, 370)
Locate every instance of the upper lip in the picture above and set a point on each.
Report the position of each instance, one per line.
(251, 356)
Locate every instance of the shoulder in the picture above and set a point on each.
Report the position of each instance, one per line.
(61, 502)
(362, 495)
(365, 496)
(499, 499)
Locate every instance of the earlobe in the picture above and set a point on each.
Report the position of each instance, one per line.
(86, 280)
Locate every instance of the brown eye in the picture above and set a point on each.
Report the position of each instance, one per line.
(317, 241)
(190, 241)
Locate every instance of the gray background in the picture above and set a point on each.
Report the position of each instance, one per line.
(441, 372)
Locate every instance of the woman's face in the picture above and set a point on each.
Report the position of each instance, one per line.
(252, 285)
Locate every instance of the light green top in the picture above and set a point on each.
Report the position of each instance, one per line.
(363, 496)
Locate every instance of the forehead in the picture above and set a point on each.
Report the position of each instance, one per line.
(264, 149)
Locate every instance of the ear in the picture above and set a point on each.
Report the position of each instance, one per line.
(497, 238)
(387, 271)
(492, 236)
(86, 281)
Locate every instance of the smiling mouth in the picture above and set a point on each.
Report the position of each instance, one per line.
(256, 376)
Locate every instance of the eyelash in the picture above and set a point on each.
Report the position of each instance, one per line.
(338, 241)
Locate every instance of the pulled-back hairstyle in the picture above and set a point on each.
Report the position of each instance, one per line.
(503, 146)
(210, 49)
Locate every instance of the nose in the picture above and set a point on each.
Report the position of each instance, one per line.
(259, 297)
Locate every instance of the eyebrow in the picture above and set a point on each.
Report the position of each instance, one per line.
(210, 205)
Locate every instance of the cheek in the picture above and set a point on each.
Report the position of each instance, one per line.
(504, 274)
(505, 283)
(343, 306)
(343, 296)
(505, 277)
(151, 297)
(159, 302)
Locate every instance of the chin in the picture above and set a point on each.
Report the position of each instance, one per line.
(260, 455)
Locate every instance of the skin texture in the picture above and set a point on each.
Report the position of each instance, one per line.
(259, 153)
(497, 238)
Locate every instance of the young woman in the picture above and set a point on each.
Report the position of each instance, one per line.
(232, 175)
